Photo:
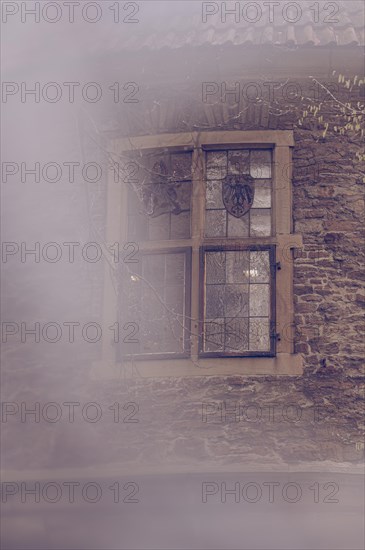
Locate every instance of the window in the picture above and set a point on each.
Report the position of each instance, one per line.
(211, 216)
(237, 301)
(155, 298)
(159, 196)
(226, 171)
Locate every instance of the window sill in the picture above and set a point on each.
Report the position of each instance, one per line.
(283, 364)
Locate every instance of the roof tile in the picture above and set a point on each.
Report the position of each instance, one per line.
(185, 27)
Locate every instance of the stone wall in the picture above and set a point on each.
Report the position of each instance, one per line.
(318, 416)
(181, 422)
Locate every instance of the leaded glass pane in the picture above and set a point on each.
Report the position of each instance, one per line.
(238, 181)
(260, 164)
(215, 301)
(259, 300)
(238, 227)
(237, 298)
(216, 165)
(260, 223)
(215, 223)
(214, 194)
(259, 267)
(239, 161)
(237, 266)
(259, 335)
(216, 268)
(214, 335)
(236, 335)
(262, 198)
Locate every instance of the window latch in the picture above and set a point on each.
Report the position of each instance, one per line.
(278, 266)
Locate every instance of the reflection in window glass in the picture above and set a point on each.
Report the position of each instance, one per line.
(154, 297)
(159, 196)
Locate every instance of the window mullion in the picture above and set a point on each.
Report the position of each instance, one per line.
(197, 234)
(198, 195)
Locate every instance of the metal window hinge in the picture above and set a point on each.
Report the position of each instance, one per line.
(278, 266)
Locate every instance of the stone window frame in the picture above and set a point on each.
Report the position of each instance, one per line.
(285, 362)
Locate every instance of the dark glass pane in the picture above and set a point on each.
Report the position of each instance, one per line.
(180, 226)
(183, 196)
(158, 168)
(162, 190)
(181, 166)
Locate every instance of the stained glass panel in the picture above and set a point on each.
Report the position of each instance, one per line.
(223, 171)
(237, 301)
